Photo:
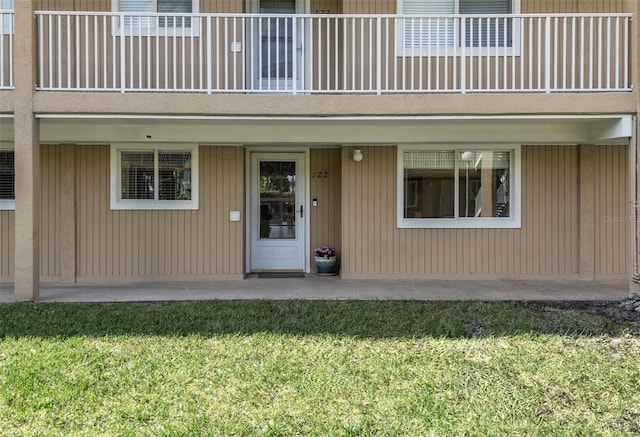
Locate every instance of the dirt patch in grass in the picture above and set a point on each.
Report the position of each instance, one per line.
(626, 311)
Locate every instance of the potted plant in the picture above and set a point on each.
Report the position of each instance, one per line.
(325, 257)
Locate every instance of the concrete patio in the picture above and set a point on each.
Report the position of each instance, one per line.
(322, 287)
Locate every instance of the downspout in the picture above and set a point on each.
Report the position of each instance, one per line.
(634, 155)
(634, 209)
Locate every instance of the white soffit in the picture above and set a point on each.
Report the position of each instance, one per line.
(609, 129)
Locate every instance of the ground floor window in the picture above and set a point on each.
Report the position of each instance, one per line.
(154, 177)
(469, 187)
(7, 179)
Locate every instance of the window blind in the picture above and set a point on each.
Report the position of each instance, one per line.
(168, 7)
(7, 175)
(136, 6)
(137, 175)
(425, 32)
(446, 159)
(479, 32)
(175, 6)
(487, 32)
(429, 159)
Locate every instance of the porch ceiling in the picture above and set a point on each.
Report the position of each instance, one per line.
(102, 129)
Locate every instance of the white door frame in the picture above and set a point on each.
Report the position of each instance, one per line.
(250, 151)
(304, 75)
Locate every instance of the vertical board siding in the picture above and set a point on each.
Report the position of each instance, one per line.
(7, 245)
(50, 215)
(222, 6)
(545, 247)
(572, 6)
(326, 6)
(610, 214)
(50, 221)
(325, 185)
(161, 244)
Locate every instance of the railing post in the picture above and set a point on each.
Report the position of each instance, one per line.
(209, 85)
(463, 55)
(296, 54)
(379, 55)
(547, 54)
(123, 57)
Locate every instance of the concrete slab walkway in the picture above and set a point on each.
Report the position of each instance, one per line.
(322, 287)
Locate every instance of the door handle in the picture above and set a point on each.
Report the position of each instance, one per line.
(301, 211)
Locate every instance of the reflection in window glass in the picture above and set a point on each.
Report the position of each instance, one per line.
(277, 200)
(429, 184)
(481, 188)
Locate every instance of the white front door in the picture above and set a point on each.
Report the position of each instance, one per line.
(276, 51)
(278, 215)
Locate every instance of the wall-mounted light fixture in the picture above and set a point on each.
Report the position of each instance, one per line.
(357, 155)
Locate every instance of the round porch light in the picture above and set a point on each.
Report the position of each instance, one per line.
(357, 155)
(467, 156)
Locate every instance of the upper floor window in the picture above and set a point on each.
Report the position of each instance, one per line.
(6, 18)
(472, 187)
(154, 177)
(494, 30)
(170, 18)
(7, 180)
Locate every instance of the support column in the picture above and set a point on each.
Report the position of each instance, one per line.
(27, 157)
(586, 225)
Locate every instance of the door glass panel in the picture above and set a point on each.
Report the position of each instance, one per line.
(277, 39)
(277, 200)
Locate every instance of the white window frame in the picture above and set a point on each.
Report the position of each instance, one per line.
(153, 29)
(7, 20)
(515, 184)
(456, 49)
(151, 204)
(9, 205)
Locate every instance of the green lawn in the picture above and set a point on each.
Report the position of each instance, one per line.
(316, 368)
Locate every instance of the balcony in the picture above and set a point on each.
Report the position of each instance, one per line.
(332, 54)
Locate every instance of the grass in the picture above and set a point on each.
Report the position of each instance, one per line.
(341, 368)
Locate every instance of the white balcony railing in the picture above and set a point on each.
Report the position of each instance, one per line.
(6, 49)
(257, 53)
